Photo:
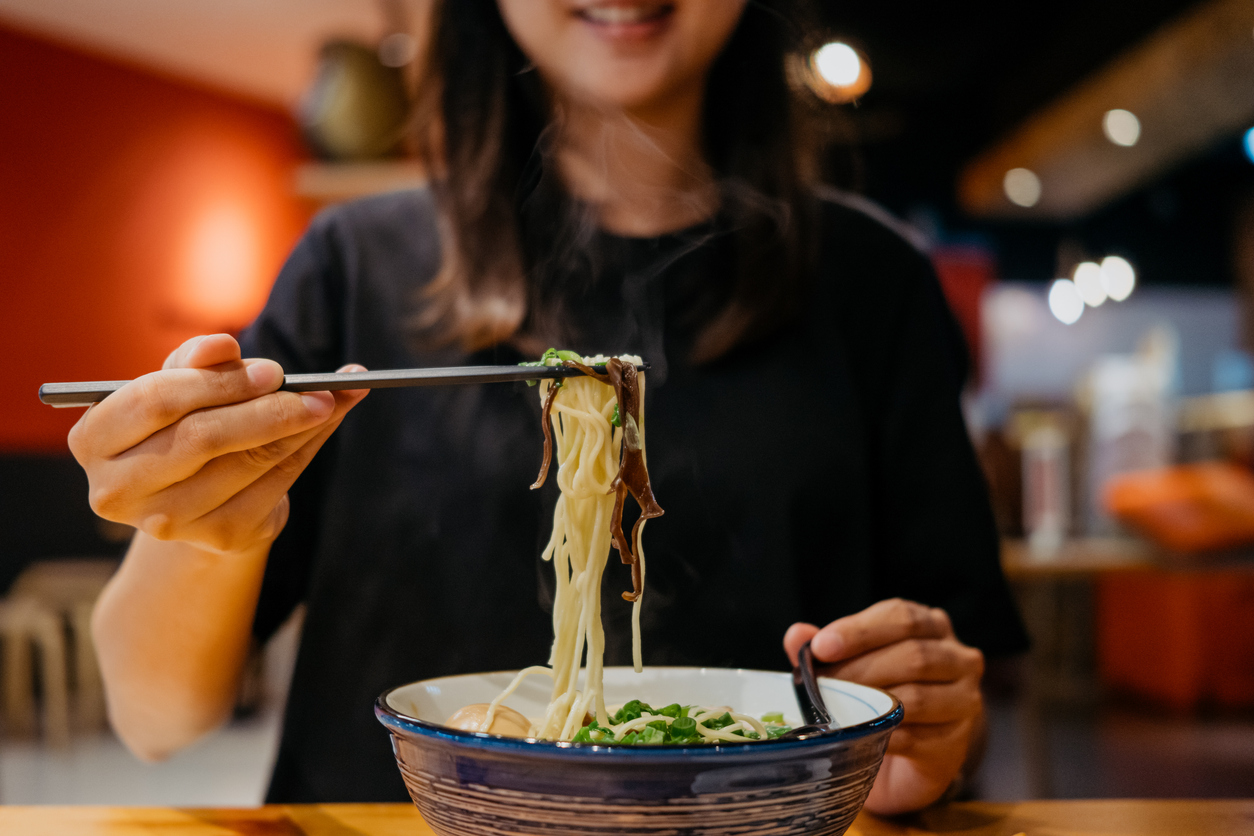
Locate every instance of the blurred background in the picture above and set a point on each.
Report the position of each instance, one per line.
(1082, 176)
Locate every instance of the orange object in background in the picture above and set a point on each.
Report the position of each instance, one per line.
(1178, 638)
(1187, 508)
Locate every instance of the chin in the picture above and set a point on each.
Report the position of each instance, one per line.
(629, 89)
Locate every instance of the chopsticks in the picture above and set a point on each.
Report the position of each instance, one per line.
(86, 393)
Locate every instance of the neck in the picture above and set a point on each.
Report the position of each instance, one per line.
(642, 170)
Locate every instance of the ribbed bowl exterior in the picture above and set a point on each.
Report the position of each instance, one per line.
(467, 786)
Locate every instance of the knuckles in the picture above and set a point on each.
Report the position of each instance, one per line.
(153, 404)
(921, 658)
(221, 534)
(79, 441)
(200, 436)
(107, 501)
(974, 660)
(160, 527)
(910, 618)
(266, 456)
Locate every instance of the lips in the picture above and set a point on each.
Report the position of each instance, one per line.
(625, 14)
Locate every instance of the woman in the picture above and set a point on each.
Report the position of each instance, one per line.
(611, 175)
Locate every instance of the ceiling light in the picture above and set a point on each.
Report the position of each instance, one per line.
(1118, 277)
(1121, 127)
(1065, 302)
(836, 72)
(1088, 281)
(838, 63)
(1022, 186)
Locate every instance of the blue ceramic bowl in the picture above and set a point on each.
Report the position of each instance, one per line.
(469, 783)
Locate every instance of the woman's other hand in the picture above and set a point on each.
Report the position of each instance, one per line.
(204, 451)
(909, 650)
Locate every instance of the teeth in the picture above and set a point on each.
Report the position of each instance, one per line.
(618, 15)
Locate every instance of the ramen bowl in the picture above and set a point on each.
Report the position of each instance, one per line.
(468, 783)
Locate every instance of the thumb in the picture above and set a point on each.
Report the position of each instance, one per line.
(797, 635)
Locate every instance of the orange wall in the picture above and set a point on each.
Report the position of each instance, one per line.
(135, 211)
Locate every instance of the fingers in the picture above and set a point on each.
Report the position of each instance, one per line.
(938, 703)
(190, 468)
(878, 625)
(912, 660)
(154, 401)
(240, 499)
(227, 475)
(797, 635)
(179, 451)
(943, 741)
(259, 511)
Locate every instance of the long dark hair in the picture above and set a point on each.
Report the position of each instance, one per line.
(484, 135)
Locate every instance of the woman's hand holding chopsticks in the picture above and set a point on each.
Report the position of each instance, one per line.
(204, 450)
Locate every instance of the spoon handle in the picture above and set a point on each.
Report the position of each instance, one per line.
(805, 683)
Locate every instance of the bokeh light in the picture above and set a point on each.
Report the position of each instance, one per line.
(1065, 301)
(838, 64)
(1022, 186)
(222, 262)
(836, 72)
(1088, 281)
(1121, 127)
(1248, 144)
(1118, 277)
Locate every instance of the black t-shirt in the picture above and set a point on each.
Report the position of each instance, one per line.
(804, 477)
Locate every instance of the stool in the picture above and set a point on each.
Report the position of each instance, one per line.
(25, 623)
(69, 588)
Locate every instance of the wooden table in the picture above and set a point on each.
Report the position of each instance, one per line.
(1030, 818)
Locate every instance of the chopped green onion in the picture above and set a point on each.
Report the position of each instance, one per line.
(685, 728)
(615, 418)
(674, 725)
(569, 356)
(631, 711)
(651, 736)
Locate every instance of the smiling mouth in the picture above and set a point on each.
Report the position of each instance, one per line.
(626, 14)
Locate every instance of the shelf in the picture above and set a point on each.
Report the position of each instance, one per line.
(336, 182)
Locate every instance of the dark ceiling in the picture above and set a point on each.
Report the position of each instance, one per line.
(952, 78)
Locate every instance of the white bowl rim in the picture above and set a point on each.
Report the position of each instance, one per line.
(392, 718)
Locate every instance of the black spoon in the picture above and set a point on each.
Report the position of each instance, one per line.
(809, 699)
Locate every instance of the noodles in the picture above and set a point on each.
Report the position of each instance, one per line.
(595, 425)
(597, 431)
